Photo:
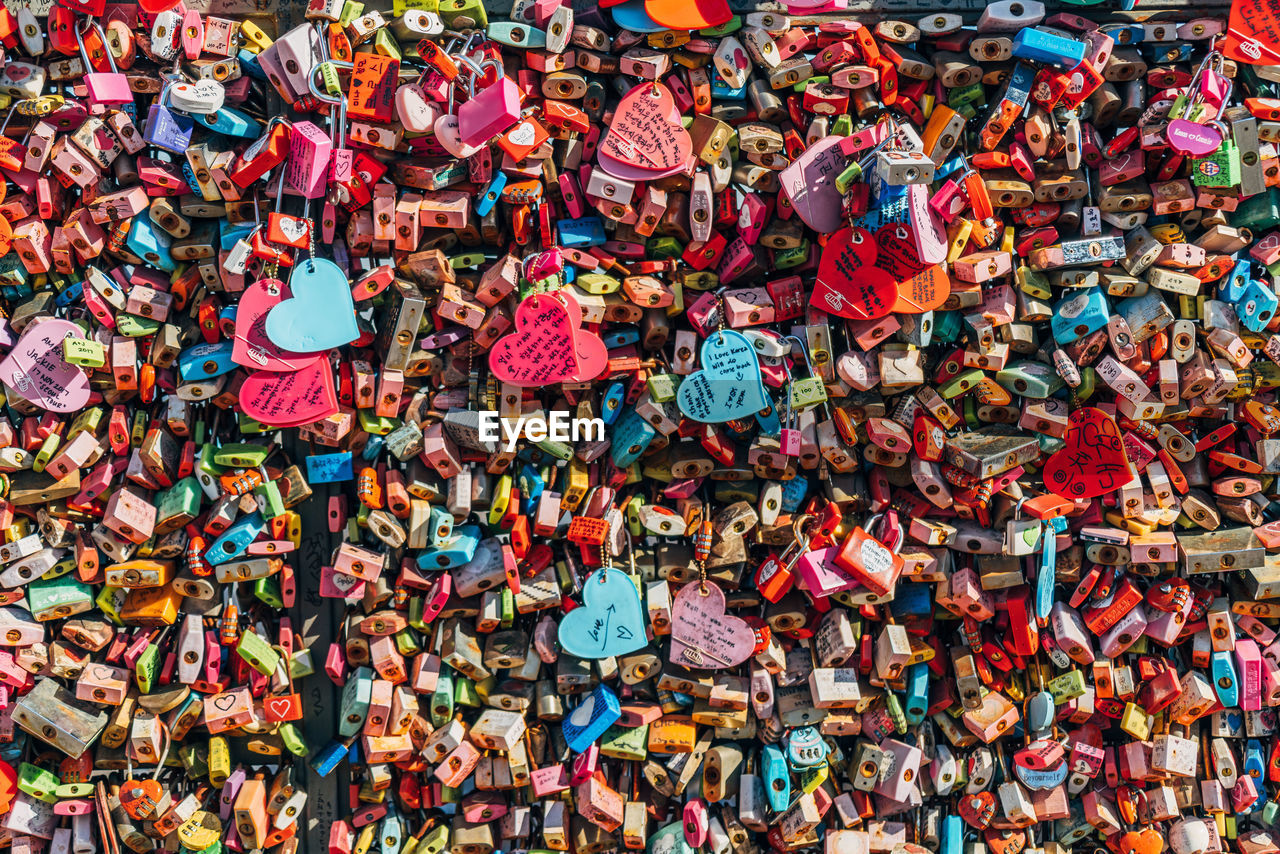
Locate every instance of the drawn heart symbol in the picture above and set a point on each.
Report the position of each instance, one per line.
(36, 370)
(585, 711)
(688, 14)
(978, 809)
(923, 292)
(848, 285)
(279, 708)
(809, 183)
(522, 134)
(1145, 841)
(139, 798)
(292, 398)
(293, 229)
(728, 386)
(1092, 461)
(320, 315)
(703, 636)
(251, 347)
(224, 702)
(610, 620)
(645, 140)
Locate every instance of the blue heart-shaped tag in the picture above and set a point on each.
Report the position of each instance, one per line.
(729, 384)
(320, 315)
(610, 620)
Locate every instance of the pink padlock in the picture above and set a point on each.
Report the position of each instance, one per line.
(490, 111)
(106, 89)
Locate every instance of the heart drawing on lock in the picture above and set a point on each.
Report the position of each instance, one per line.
(610, 620)
(251, 348)
(547, 345)
(645, 140)
(224, 702)
(728, 386)
(703, 636)
(1092, 461)
(36, 371)
(849, 285)
(294, 229)
(523, 134)
(291, 398)
(320, 315)
(582, 714)
(278, 708)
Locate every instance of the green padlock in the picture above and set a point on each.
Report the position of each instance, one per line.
(1220, 169)
(257, 653)
(38, 783)
(293, 740)
(663, 387)
(805, 392)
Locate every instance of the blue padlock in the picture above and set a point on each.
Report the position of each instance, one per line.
(234, 541)
(1233, 284)
(1256, 306)
(231, 122)
(598, 711)
(777, 777)
(373, 448)
(330, 468)
(490, 195)
(1052, 47)
(150, 243)
(915, 704)
(168, 129)
(206, 361)
(460, 548)
(580, 232)
(1080, 313)
(630, 438)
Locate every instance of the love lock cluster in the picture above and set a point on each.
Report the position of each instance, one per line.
(639, 426)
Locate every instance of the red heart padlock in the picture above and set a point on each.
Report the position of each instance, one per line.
(978, 809)
(140, 798)
(1145, 841)
(848, 285)
(1092, 462)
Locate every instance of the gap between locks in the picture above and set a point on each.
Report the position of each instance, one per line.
(639, 426)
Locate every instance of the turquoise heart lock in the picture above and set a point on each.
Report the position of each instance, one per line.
(610, 621)
(320, 315)
(729, 384)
